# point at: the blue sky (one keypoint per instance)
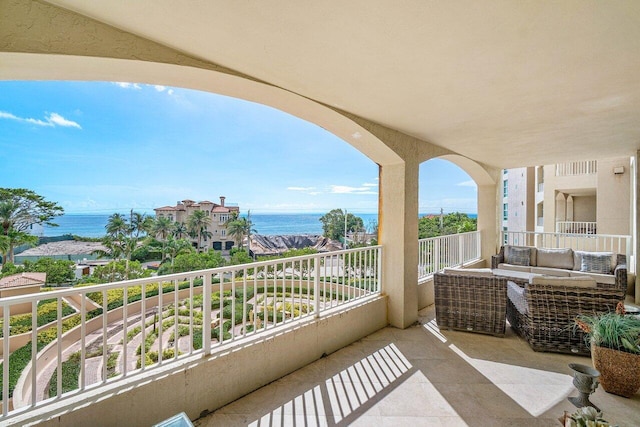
(101, 147)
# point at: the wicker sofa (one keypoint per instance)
(543, 312)
(564, 263)
(471, 300)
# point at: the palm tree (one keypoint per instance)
(239, 228)
(176, 247)
(117, 226)
(179, 230)
(138, 221)
(198, 222)
(161, 229)
(16, 238)
(4, 249)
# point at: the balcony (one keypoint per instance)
(259, 322)
(423, 376)
(576, 227)
(587, 167)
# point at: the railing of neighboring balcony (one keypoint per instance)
(619, 244)
(587, 167)
(57, 343)
(453, 250)
(576, 227)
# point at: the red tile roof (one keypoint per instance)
(23, 279)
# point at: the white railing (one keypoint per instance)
(453, 250)
(586, 167)
(576, 227)
(162, 325)
(619, 244)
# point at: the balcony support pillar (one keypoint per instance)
(398, 232)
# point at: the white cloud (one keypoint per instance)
(301, 188)
(345, 189)
(370, 184)
(170, 92)
(160, 88)
(52, 120)
(61, 121)
(470, 183)
(126, 85)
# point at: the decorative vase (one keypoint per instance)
(585, 379)
(619, 371)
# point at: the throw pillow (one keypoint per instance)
(592, 263)
(555, 258)
(519, 256)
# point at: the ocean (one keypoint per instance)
(92, 225)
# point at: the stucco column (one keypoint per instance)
(398, 233)
(635, 223)
(489, 202)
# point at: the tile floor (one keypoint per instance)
(422, 377)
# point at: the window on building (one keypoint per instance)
(223, 232)
(505, 188)
(170, 217)
(505, 211)
(224, 217)
(505, 236)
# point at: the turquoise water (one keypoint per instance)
(267, 224)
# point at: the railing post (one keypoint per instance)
(316, 288)
(206, 313)
(461, 249)
(436, 255)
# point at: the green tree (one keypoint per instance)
(238, 228)
(197, 223)
(452, 223)
(20, 209)
(176, 247)
(58, 271)
(15, 238)
(180, 230)
(161, 229)
(333, 224)
(116, 271)
(193, 261)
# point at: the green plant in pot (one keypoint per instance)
(615, 349)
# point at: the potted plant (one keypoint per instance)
(615, 349)
(584, 417)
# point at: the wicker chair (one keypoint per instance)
(471, 303)
(544, 314)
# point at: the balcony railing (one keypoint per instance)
(436, 253)
(619, 244)
(587, 167)
(106, 333)
(576, 227)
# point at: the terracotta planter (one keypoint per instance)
(619, 371)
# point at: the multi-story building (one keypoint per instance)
(585, 197)
(218, 214)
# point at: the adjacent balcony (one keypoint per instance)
(587, 167)
(576, 227)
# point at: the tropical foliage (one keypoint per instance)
(439, 225)
(333, 224)
(19, 210)
(58, 271)
(197, 223)
(612, 330)
(239, 228)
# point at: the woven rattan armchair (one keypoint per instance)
(544, 314)
(471, 303)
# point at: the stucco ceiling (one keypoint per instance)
(508, 83)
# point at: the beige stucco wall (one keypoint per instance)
(614, 197)
(206, 383)
(584, 209)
